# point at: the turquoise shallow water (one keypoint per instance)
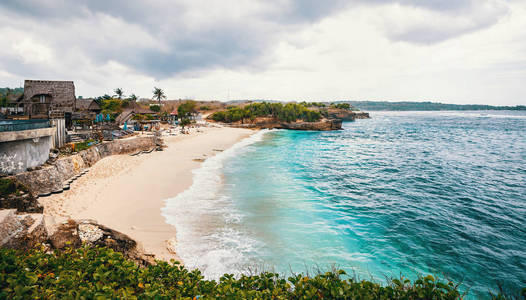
(404, 192)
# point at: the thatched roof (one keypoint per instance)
(87, 104)
(62, 92)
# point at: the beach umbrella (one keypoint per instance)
(125, 125)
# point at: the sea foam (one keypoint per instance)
(207, 235)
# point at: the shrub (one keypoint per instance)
(289, 112)
(7, 187)
(100, 273)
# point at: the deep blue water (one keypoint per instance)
(439, 193)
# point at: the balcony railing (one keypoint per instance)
(16, 125)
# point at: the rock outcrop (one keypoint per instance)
(51, 178)
(346, 115)
(323, 125)
(25, 231)
(15, 195)
(270, 123)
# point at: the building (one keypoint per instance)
(88, 105)
(42, 99)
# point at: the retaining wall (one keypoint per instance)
(51, 178)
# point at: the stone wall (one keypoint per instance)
(50, 179)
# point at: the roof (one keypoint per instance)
(62, 92)
(174, 112)
(87, 104)
(140, 110)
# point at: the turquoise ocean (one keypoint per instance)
(409, 193)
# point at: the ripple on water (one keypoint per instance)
(434, 192)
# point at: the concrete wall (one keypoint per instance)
(59, 138)
(18, 155)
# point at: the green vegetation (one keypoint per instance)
(313, 104)
(7, 187)
(289, 112)
(342, 105)
(185, 112)
(6, 92)
(155, 108)
(83, 145)
(425, 106)
(119, 93)
(158, 94)
(100, 273)
(112, 106)
(10, 186)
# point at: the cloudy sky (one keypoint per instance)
(453, 51)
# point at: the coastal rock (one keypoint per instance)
(25, 231)
(21, 231)
(89, 233)
(346, 115)
(16, 195)
(65, 235)
(270, 123)
(323, 125)
(171, 245)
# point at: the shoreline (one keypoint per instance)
(127, 193)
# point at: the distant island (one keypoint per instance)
(424, 106)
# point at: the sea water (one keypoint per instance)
(409, 193)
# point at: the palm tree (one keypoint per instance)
(158, 94)
(119, 93)
(133, 97)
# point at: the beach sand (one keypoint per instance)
(126, 193)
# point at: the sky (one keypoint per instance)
(450, 51)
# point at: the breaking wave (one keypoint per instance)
(208, 235)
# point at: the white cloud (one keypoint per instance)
(465, 52)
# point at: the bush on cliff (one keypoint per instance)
(289, 112)
(100, 273)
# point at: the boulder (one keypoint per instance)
(18, 196)
(25, 231)
(21, 231)
(65, 235)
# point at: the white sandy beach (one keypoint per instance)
(126, 193)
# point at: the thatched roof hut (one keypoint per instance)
(44, 96)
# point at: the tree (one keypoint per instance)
(119, 93)
(133, 97)
(158, 94)
(155, 108)
(184, 122)
(187, 109)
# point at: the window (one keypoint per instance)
(42, 98)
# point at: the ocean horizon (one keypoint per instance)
(408, 193)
